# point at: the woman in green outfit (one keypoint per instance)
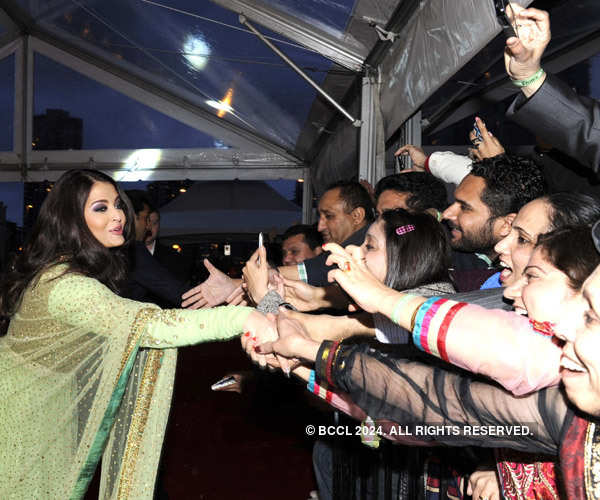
(84, 373)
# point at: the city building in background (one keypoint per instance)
(56, 130)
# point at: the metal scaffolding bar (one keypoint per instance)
(335, 49)
(245, 22)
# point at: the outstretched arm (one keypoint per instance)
(83, 302)
(410, 393)
(494, 343)
(212, 292)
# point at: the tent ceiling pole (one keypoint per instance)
(245, 22)
(367, 166)
(299, 31)
(116, 171)
(148, 94)
(307, 194)
(571, 53)
(144, 81)
(410, 133)
(10, 47)
(23, 117)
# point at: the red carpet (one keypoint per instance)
(222, 445)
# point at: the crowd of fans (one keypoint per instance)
(472, 322)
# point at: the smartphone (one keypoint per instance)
(260, 245)
(478, 135)
(508, 28)
(224, 382)
(400, 164)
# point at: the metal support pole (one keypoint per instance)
(411, 134)
(367, 167)
(245, 22)
(413, 129)
(307, 202)
(24, 104)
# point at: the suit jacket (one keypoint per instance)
(316, 270)
(173, 262)
(567, 121)
(151, 282)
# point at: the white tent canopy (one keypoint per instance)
(182, 89)
(221, 207)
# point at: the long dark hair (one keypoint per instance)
(60, 234)
(571, 250)
(572, 209)
(418, 257)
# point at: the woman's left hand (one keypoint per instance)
(256, 275)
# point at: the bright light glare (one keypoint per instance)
(196, 51)
(138, 167)
(220, 105)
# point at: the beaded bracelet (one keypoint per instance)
(321, 361)
(401, 302)
(332, 355)
(528, 81)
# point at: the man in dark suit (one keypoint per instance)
(148, 280)
(168, 257)
(547, 106)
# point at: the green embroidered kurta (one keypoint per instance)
(86, 374)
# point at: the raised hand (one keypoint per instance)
(211, 292)
(354, 277)
(488, 146)
(302, 296)
(276, 282)
(238, 297)
(256, 275)
(523, 54)
(417, 155)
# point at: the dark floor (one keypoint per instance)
(222, 445)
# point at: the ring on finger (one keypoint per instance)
(347, 266)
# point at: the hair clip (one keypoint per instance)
(404, 229)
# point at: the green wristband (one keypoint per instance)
(528, 81)
(401, 302)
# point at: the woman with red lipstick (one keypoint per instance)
(84, 373)
(555, 265)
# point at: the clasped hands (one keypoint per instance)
(285, 343)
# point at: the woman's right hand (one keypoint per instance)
(294, 341)
(256, 275)
(354, 277)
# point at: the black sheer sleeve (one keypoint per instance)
(457, 409)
